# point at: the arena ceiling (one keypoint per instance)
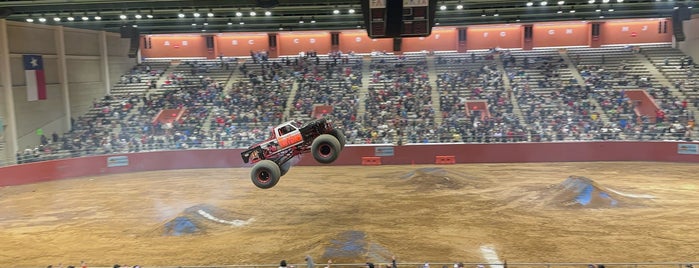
(168, 16)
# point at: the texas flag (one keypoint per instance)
(34, 74)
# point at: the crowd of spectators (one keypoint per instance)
(399, 100)
(554, 105)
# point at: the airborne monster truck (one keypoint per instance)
(271, 157)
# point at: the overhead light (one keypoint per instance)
(268, 13)
(559, 11)
(70, 18)
(443, 7)
(253, 13)
(530, 4)
(459, 7)
(483, 13)
(518, 19)
(238, 14)
(42, 19)
(301, 20)
(591, 1)
(543, 3)
(560, 3)
(351, 11)
(605, 1)
(601, 16)
(241, 23)
(196, 14)
(57, 19)
(436, 23)
(206, 23)
(194, 24)
(610, 9)
(203, 30)
(229, 22)
(572, 10)
(496, 13)
(619, 1)
(210, 14)
(135, 25)
(138, 16)
(98, 17)
(313, 20)
(150, 16)
(181, 14)
(336, 11)
(85, 18)
(30, 20)
(122, 16)
(676, 7)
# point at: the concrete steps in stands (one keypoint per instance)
(581, 81)
(290, 103)
(364, 90)
(166, 73)
(436, 104)
(508, 87)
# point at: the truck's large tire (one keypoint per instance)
(326, 148)
(284, 168)
(340, 137)
(265, 174)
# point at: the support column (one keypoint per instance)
(8, 103)
(104, 62)
(63, 73)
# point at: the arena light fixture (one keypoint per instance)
(442, 7)
(253, 13)
(29, 19)
(98, 17)
(459, 7)
(181, 14)
(560, 3)
(57, 19)
(122, 16)
(351, 11)
(530, 4)
(239, 14)
(336, 11)
(605, 1)
(70, 17)
(591, 1)
(496, 14)
(544, 3)
(210, 13)
(196, 14)
(619, 1)
(85, 18)
(301, 21)
(268, 13)
(313, 20)
(138, 16)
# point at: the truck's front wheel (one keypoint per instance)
(265, 174)
(326, 148)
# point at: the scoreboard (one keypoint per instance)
(398, 18)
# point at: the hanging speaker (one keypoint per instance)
(397, 41)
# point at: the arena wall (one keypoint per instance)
(691, 32)
(77, 66)
(352, 155)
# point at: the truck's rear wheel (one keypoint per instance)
(265, 174)
(340, 137)
(284, 168)
(326, 148)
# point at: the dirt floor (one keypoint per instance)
(548, 212)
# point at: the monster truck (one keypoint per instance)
(271, 156)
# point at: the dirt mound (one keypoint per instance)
(355, 246)
(201, 219)
(581, 192)
(433, 178)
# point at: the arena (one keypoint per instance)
(550, 142)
